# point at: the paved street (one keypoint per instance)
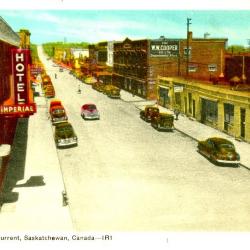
(124, 175)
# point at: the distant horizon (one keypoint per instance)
(93, 26)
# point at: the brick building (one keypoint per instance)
(14, 64)
(138, 63)
(237, 65)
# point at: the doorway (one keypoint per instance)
(242, 122)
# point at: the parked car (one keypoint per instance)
(49, 91)
(163, 121)
(148, 112)
(65, 135)
(113, 91)
(90, 80)
(219, 151)
(54, 102)
(90, 112)
(58, 114)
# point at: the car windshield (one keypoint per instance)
(91, 107)
(58, 111)
(66, 129)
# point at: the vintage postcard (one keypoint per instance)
(124, 125)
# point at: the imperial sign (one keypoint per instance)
(23, 104)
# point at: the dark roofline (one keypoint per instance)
(7, 34)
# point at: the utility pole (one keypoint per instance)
(188, 23)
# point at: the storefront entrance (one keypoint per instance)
(228, 115)
(163, 96)
(242, 122)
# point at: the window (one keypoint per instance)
(229, 113)
(186, 51)
(192, 68)
(212, 67)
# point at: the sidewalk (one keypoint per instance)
(38, 200)
(193, 128)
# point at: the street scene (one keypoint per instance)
(124, 134)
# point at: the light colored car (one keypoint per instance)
(90, 112)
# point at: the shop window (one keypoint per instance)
(212, 67)
(187, 51)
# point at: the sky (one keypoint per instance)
(100, 25)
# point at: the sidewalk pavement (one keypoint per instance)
(193, 128)
(39, 204)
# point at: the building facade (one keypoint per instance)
(237, 65)
(217, 106)
(16, 96)
(138, 63)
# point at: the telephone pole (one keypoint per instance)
(188, 23)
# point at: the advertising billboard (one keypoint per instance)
(164, 47)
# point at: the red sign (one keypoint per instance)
(20, 61)
(21, 109)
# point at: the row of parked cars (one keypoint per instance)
(219, 151)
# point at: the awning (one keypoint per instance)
(163, 87)
(209, 98)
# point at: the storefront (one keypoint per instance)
(217, 106)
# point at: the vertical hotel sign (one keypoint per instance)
(20, 62)
(22, 104)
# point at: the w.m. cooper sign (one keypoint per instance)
(164, 47)
(22, 100)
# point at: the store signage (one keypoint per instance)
(20, 109)
(164, 47)
(22, 104)
(20, 60)
(178, 88)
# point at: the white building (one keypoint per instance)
(77, 53)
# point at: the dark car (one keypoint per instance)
(163, 121)
(65, 135)
(148, 113)
(219, 151)
(90, 112)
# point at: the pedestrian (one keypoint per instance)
(55, 75)
(176, 112)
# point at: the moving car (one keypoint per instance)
(148, 113)
(163, 121)
(60, 69)
(89, 111)
(65, 135)
(219, 150)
